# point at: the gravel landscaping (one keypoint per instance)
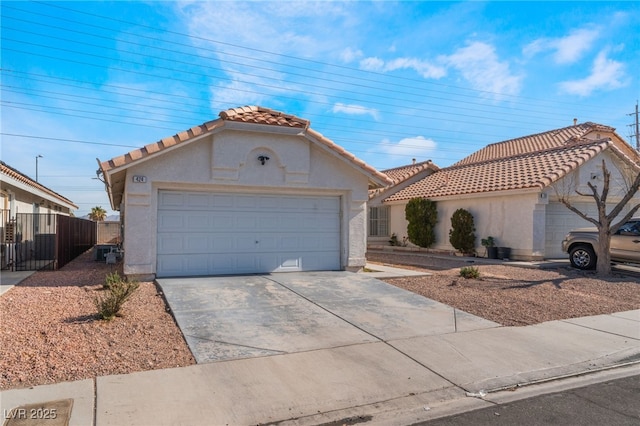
(50, 331)
(515, 296)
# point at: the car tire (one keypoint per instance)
(582, 257)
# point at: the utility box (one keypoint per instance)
(101, 251)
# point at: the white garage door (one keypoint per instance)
(560, 220)
(202, 233)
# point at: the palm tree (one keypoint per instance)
(98, 214)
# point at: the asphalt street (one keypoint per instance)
(611, 403)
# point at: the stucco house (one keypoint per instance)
(20, 195)
(253, 191)
(380, 225)
(512, 188)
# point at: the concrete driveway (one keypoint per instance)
(232, 317)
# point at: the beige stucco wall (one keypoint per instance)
(21, 199)
(508, 218)
(517, 219)
(227, 161)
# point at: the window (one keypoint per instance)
(379, 221)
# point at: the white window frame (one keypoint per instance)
(379, 221)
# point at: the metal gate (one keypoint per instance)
(34, 241)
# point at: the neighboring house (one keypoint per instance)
(21, 194)
(379, 218)
(254, 191)
(28, 210)
(512, 188)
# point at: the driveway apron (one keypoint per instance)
(232, 317)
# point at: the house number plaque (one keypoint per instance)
(140, 179)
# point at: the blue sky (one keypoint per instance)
(389, 81)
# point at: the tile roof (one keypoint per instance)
(556, 138)
(260, 115)
(402, 174)
(528, 162)
(246, 114)
(533, 170)
(7, 170)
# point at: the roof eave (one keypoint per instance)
(377, 179)
(40, 191)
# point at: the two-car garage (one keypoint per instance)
(254, 191)
(204, 233)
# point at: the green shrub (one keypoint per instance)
(111, 279)
(461, 235)
(422, 216)
(117, 293)
(469, 272)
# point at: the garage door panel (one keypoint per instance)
(197, 201)
(206, 233)
(170, 243)
(246, 202)
(171, 221)
(197, 244)
(197, 222)
(168, 199)
(270, 223)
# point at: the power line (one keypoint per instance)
(412, 91)
(66, 140)
(304, 60)
(267, 86)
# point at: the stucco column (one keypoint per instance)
(539, 230)
(139, 235)
(357, 235)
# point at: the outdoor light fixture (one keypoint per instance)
(38, 156)
(263, 159)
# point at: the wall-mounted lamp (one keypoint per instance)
(37, 156)
(263, 159)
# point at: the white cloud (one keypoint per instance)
(479, 64)
(606, 74)
(425, 69)
(567, 49)
(352, 109)
(349, 55)
(416, 147)
(372, 64)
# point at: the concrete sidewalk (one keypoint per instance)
(399, 374)
(8, 279)
(384, 382)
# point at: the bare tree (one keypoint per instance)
(606, 222)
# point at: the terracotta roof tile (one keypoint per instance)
(402, 173)
(261, 115)
(7, 170)
(538, 142)
(535, 169)
(245, 114)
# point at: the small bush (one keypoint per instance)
(469, 272)
(117, 293)
(422, 215)
(111, 279)
(461, 235)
